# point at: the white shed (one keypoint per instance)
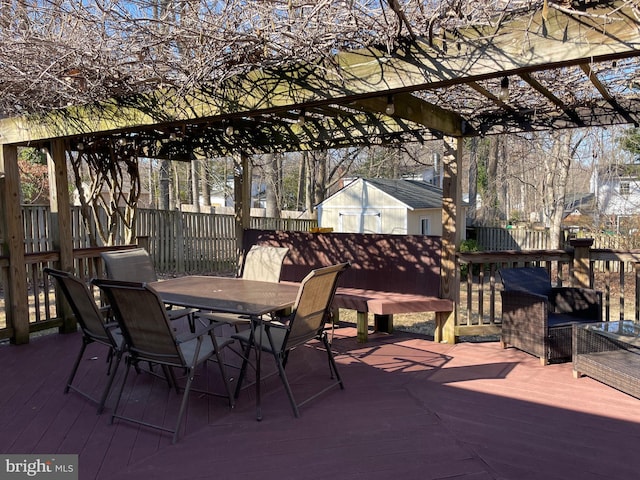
(380, 205)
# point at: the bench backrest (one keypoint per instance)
(391, 263)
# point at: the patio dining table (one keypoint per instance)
(230, 295)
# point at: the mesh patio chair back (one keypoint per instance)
(313, 305)
(135, 265)
(143, 320)
(150, 337)
(94, 329)
(131, 265)
(264, 263)
(306, 322)
(261, 263)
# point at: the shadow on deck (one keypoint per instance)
(411, 409)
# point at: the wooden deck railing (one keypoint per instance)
(614, 272)
(42, 309)
(178, 242)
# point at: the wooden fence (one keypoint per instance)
(480, 308)
(177, 241)
(197, 243)
(524, 239)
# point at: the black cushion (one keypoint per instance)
(527, 279)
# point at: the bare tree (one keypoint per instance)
(112, 187)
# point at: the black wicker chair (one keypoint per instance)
(538, 318)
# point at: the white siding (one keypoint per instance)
(362, 208)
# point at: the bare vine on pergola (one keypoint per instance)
(54, 54)
(113, 189)
(59, 53)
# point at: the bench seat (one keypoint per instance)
(384, 305)
(388, 303)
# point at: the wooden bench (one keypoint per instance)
(389, 274)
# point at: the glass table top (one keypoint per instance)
(623, 330)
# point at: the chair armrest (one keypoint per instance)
(187, 336)
(524, 309)
(579, 302)
(181, 313)
(522, 298)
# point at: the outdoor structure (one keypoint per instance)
(377, 205)
(617, 195)
(554, 67)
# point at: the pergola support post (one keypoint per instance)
(581, 263)
(451, 220)
(17, 299)
(61, 237)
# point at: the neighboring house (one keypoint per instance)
(617, 192)
(378, 205)
(580, 212)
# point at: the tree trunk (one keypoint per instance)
(165, 183)
(473, 179)
(302, 175)
(205, 187)
(557, 167)
(320, 183)
(271, 185)
(308, 183)
(195, 184)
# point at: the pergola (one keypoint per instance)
(554, 68)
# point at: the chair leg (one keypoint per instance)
(76, 365)
(243, 368)
(170, 375)
(183, 404)
(112, 376)
(223, 372)
(124, 381)
(285, 382)
(332, 362)
(281, 359)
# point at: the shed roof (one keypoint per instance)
(415, 194)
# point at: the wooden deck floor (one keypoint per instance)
(412, 409)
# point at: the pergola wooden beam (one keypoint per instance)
(516, 46)
(591, 75)
(552, 98)
(416, 110)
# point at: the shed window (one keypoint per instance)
(424, 226)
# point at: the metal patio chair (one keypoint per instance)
(135, 265)
(147, 330)
(305, 323)
(95, 329)
(262, 263)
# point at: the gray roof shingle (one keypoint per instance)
(413, 193)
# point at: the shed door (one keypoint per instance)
(359, 222)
